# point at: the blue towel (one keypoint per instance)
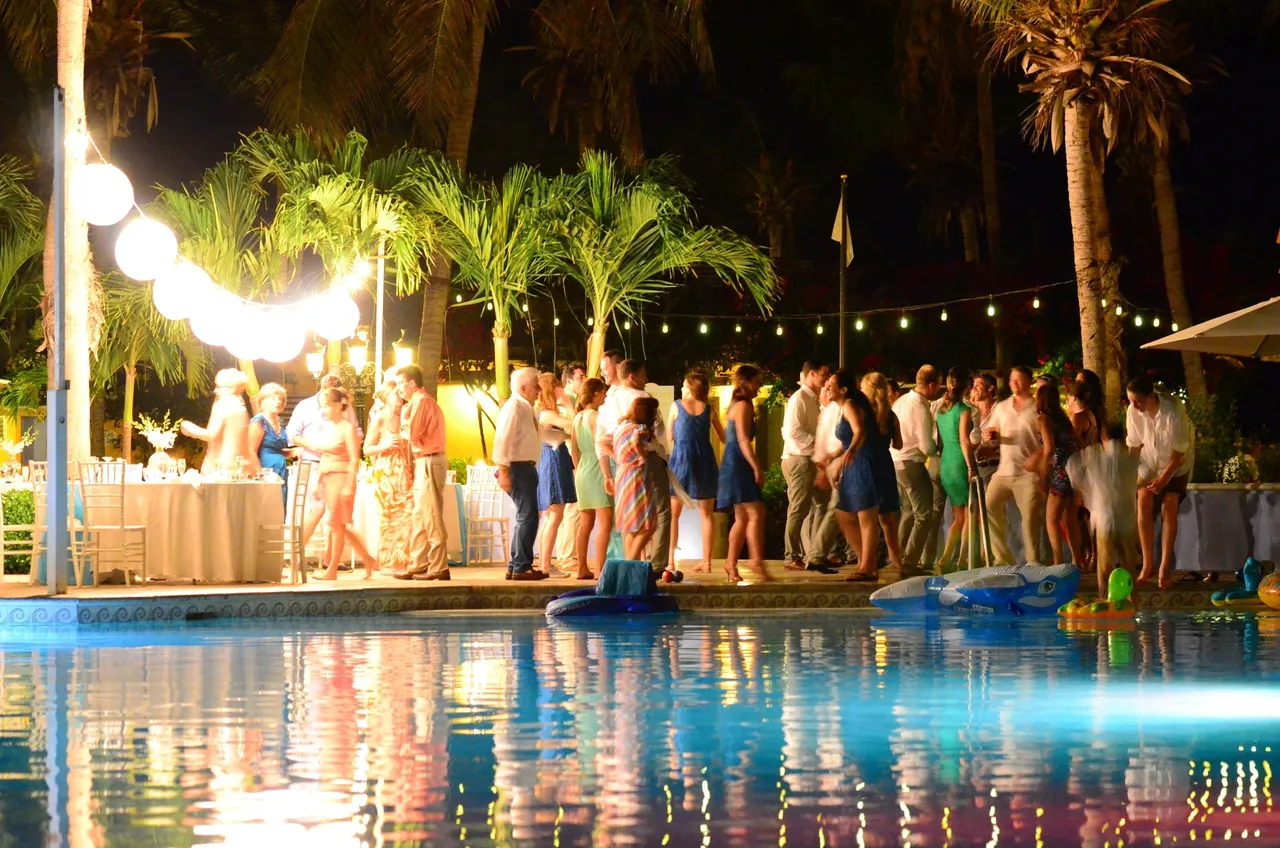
(626, 578)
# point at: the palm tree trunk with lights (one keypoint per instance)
(435, 296)
(1080, 187)
(73, 17)
(1171, 253)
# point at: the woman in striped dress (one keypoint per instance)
(633, 507)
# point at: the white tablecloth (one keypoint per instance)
(206, 533)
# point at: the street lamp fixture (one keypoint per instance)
(315, 362)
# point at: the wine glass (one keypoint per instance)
(241, 465)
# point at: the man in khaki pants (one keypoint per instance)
(799, 429)
(1013, 424)
(422, 426)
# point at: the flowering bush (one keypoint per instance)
(1064, 363)
(1240, 468)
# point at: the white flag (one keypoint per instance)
(848, 236)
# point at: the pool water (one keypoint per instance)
(795, 730)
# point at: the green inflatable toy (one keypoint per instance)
(1117, 604)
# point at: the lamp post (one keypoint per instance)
(57, 504)
(360, 373)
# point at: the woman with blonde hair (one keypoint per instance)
(393, 476)
(267, 438)
(555, 467)
(227, 434)
(738, 487)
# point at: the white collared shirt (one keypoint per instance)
(614, 410)
(1019, 435)
(800, 423)
(515, 437)
(916, 422)
(824, 441)
(307, 418)
(1160, 436)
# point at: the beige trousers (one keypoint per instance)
(567, 538)
(1029, 495)
(428, 539)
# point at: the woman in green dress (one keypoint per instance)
(595, 507)
(955, 420)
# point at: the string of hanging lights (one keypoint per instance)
(147, 251)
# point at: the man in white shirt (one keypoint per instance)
(916, 421)
(1014, 426)
(1161, 435)
(799, 430)
(516, 448)
(822, 529)
(634, 377)
(307, 421)
(571, 380)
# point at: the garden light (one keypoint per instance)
(358, 355)
(1104, 303)
(626, 325)
(857, 325)
(991, 309)
(665, 328)
(1174, 326)
(214, 317)
(335, 315)
(283, 337)
(590, 321)
(1035, 303)
(702, 328)
(818, 329)
(944, 315)
(145, 248)
(779, 329)
(524, 307)
(737, 328)
(555, 322)
(102, 194)
(1119, 309)
(902, 322)
(1137, 320)
(315, 362)
(457, 298)
(1155, 322)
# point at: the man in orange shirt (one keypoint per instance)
(422, 426)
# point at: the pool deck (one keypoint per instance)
(479, 588)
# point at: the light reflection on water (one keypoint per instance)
(831, 730)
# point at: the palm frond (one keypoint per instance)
(21, 238)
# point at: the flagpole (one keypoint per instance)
(844, 251)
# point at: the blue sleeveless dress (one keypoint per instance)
(869, 481)
(271, 453)
(737, 483)
(693, 461)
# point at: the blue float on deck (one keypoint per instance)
(1011, 590)
(625, 587)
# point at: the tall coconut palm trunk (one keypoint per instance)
(595, 347)
(435, 296)
(1080, 188)
(990, 184)
(130, 381)
(501, 362)
(1171, 253)
(1109, 288)
(969, 233)
(73, 18)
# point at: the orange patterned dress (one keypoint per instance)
(393, 473)
(632, 505)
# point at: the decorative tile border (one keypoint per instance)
(286, 603)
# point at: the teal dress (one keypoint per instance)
(953, 471)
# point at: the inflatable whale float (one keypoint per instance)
(1030, 589)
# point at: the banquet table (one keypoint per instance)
(207, 532)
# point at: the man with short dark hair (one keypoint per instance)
(422, 428)
(1014, 426)
(916, 422)
(799, 431)
(1161, 435)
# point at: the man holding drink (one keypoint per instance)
(1014, 427)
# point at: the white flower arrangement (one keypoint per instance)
(14, 447)
(1240, 468)
(160, 434)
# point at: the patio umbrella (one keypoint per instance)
(1250, 332)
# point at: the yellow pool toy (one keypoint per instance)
(1269, 591)
(1116, 606)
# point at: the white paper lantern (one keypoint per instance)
(335, 316)
(180, 289)
(284, 335)
(145, 248)
(102, 194)
(215, 317)
(244, 339)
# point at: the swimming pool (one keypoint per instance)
(794, 730)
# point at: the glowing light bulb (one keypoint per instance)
(665, 328)
(457, 298)
(857, 325)
(1155, 322)
(1035, 303)
(1137, 320)
(1119, 309)
(524, 307)
(737, 328)
(944, 315)
(819, 329)
(779, 330)
(1174, 326)
(626, 325)
(591, 320)
(555, 322)
(991, 309)
(702, 328)
(902, 322)
(1104, 303)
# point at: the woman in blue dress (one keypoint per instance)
(693, 461)
(739, 484)
(267, 438)
(867, 494)
(555, 467)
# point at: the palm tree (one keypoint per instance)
(776, 193)
(136, 335)
(497, 235)
(593, 53)
(21, 238)
(1088, 62)
(622, 237)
